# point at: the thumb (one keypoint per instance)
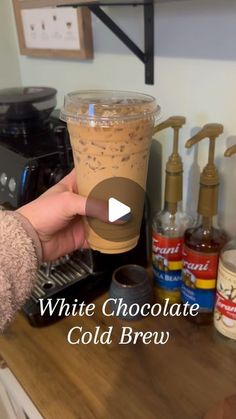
(74, 204)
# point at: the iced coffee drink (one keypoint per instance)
(110, 134)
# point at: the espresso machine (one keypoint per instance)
(35, 154)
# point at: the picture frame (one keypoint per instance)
(45, 30)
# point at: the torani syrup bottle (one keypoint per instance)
(202, 244)
(225, 306)
(169, 224)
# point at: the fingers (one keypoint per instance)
(74, 204)
(96, 208)
(69, 182)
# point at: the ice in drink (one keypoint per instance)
(110, 134)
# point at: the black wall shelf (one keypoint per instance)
(146, 56)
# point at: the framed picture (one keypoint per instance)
(45, 30)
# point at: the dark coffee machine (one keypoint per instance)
(35, 154)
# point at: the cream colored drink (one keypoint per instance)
(110, 134)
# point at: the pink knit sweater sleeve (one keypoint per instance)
(20, 255)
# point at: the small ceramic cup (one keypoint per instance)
(130, 285)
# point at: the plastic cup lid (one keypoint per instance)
(107, 105)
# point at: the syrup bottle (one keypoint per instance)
(203, 243)
(169, 224)
(225, 306)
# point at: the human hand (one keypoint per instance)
(56, 217)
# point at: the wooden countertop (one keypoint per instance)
(179, 380)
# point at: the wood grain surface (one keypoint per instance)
(179, 380)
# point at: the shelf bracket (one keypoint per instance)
(147, 57)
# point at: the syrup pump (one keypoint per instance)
(230, 151)
(202, 244)
(170, 223)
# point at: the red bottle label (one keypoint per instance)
(199, 278)
(167, 261)
(202, 266)
(225, 306)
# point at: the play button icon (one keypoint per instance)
(119, 203)
(117, 210)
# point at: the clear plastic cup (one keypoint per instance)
(110, 134)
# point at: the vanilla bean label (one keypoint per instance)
(225, 307)
(167, 261)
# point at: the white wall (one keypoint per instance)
(195, 75)
(9, 62)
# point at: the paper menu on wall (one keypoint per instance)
(51, 28)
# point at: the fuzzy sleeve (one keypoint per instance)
(20, 255)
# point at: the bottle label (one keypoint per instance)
(199, 278)
(167, 261)
(225, 307)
